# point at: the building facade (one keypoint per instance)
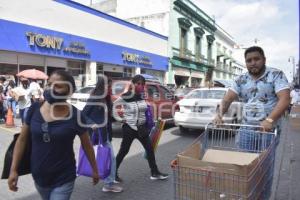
(66, 35)
(227, 67)
(195, 40)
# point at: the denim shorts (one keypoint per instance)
(62, 192)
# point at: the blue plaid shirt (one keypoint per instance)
(259, 96)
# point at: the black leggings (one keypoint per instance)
(128, 136)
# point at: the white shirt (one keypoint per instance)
(295, 95)
(34, 89)
(26, 102)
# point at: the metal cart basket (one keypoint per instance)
(197, 179)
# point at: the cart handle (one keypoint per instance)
(243, 125)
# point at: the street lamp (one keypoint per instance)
(292, 60)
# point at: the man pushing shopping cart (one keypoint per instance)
(265, 93)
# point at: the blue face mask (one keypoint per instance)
(54, 99)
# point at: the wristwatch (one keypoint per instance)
(270, 120)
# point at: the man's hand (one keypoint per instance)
(267, 126)
(218, 119)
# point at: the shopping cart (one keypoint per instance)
(196, 179)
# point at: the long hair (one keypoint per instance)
(101, 87)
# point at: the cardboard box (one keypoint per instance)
(18, 93)
(218, 174)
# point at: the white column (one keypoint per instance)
(138, 70)
(91, 73)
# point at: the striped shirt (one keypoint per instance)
(133, 112)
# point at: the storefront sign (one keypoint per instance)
(136, 59)
(55, 43)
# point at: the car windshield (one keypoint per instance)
(206, 94)
(182, 91)
(85, 90)
(118, 87)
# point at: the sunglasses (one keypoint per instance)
(46, 135)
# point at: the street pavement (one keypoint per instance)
(135, 171)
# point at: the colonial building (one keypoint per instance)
(195, 40)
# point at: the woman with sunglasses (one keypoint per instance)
(52, 127)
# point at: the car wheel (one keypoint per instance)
(183, 130)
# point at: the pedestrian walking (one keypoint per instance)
(295, 96)
(24, 98)
(98, 113)
(266, 96)
(135, 125)
(11, 102)
(52, 126)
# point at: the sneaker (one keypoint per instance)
(112, 188)
(158, 176)
(118, 179)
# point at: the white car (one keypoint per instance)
(80, 97)
(199, 108)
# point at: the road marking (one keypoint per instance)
(10, 130)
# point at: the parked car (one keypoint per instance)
(157, 95)
(180, 93)
(199, 108)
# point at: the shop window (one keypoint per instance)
(128, 72)
(24, 67)
(99, 68)
(77, 70)
(8, 69)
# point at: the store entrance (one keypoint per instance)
(181, 80)
(52, 69)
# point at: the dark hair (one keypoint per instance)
(2, 78)
(101, 85)
(66, 76)
(138, 78)
(254, 49)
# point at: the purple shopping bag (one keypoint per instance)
(103, 159)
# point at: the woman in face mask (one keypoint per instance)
(52, 127)
(136, 125)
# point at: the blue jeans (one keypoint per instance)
(12, 103)
(110, 179)
(62, 192)
(23, 114)
(249, 140)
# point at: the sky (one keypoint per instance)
(274, 24)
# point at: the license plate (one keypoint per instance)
(198, 109)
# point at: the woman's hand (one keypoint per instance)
(95, 177)
(13, 181)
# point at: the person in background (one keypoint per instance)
(24, 102)
(34, 90)
(2, 81)
(98, 116)
(52, 126)
(266, 95)
(9, 96)
(2, 109)
(135, 125)
(295, 97)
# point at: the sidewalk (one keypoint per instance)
(287, 166)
